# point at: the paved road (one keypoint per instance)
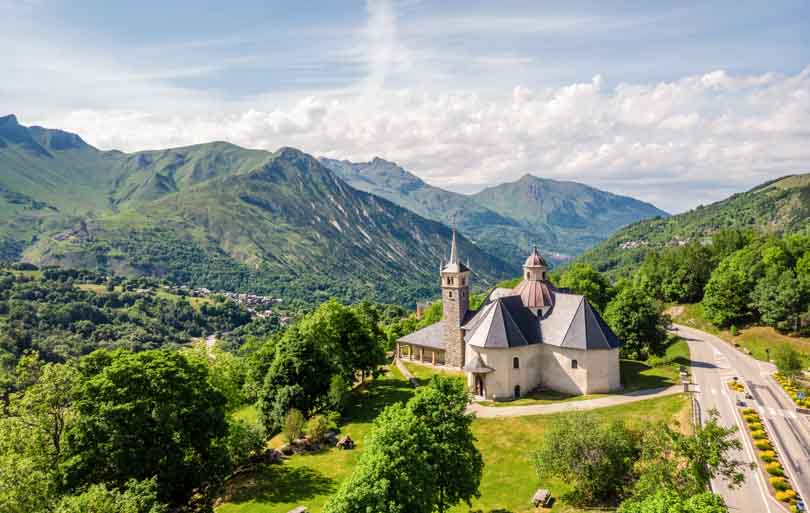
(714, 363)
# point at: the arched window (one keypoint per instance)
(574, 364)
(517, 391)
(450, 294)
(515, 362)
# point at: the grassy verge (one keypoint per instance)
(423, 373)
(756, 339)
(542, 397)
(506, 444)
(656, 372)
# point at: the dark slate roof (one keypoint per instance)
(430, 336)
(504, 322)
(476, 365)
(573, 323)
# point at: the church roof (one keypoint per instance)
(477, 365)
(534, 260)
(535, 293)
(454, 265)
(430, 336)
(503, 323)
(573, 323)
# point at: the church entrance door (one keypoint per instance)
(479, 386)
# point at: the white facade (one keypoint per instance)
(544, 366)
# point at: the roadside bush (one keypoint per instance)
(749, 411)
(774, 468)
(317, 427)
(752, 417)
(755, 426)
(763, 445)
(779, 483)
(293, 425)
(767, 456)
(786, 495)
(759, 435)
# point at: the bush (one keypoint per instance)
(749, 411)
(759, 435)
(774, 468)
(779, 483)
(293, 425)
(755, 426)
(786, 495)
(763, 445)
(317, 427)
(752, 417)
(767, 456)
(244, 440)
(733, 330)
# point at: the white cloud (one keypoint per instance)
(677, 143)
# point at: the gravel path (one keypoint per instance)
(588, 404)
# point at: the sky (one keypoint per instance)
(677, 103)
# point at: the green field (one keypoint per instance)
(506, 444)
(423, 373)
(755, 339)
(656, 372)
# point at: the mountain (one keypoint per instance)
(565, 218)
(219, 216)
(778, 206)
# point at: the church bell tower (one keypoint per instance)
(455, 304)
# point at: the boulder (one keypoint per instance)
(345, 443)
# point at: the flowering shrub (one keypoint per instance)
(779, 483)
(767, 456)
(759, 435)
(774, 469)
(786, 495)
(763, 444)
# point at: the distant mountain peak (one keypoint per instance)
(10, 119)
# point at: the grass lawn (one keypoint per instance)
(656, 372)
(756, 339)
(506, 444)
(542, 397)
(423, 373)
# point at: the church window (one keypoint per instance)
(517, 391)
(527, 275)
(574, 364)
(450, 294)
(515, 362)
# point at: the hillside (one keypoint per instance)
(778, 206)
(218, 216)
(565, 218)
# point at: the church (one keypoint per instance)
(534, 336)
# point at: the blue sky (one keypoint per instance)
(677, 103)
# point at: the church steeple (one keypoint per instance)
(455, 278)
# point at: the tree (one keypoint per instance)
(148, 414)
(393, 474)
(419, 458)
(788, 361)
(457, 464)
(584, 279)
(594, 457)
(778, 298)
(136, 497)
(667, 501)
(293, 425)
(351, 336)
(685, 464)
(299, 377)
(637, 319)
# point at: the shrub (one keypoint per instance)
(752, 418)
(759, 435)
(317, 427)
(779, 483)
(767, 456)
(755, 426)
(749, 411)
(786, 495)
(733, 330)
(293, 425)
(763, 445)
(774, 468)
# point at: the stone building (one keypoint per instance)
(532, 336)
